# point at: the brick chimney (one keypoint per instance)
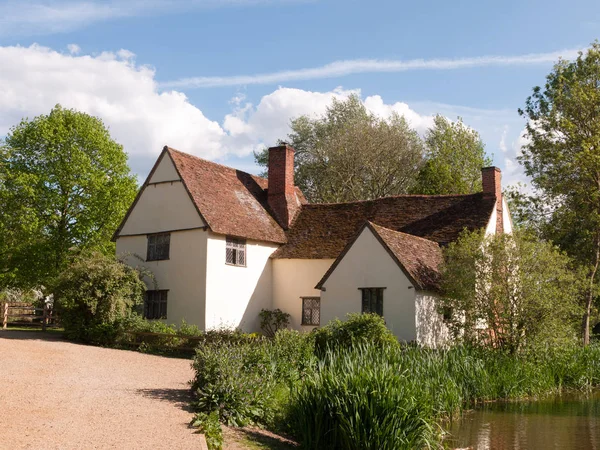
(491, 178)
(281, 191)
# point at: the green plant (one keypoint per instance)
(208, 424)
(273, 320)
(94, 294)
(357, 328)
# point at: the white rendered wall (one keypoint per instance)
(165, 171)
(235, 295)
(431, 328)
(368, 264)
(183, 274)
(293, 279)
(162, 207)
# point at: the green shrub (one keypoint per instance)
(248, 380)
(271, 321)
(356, 329)
(94, 294)
(208, 424)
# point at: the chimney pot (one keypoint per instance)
(281, 190)
(491, 178)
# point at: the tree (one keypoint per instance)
(509, 290)
(349, 154)
(563, 160)
(455, 155)
(64, 185)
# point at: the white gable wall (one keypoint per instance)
(183, 274)
(165, 171)
(293, 279)
(235, 295)
(368, 264)
(162, 207)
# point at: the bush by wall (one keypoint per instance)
(94, 294)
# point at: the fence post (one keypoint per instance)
(45, 317)
(5, 316)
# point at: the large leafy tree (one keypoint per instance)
(510, 291)
(563, 160)
(349, 154)
(64, 187)
(455, 155)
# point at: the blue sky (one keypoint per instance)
(221, 78)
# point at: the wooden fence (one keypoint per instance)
(28, 315)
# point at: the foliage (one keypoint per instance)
(356, 329)
(509, 290)
(209, 425)
(273, 320)
(370, 397)
(563, 160)
(243, 380)
(64, 186)
(94, 294)
(455, 155)
(349, 154)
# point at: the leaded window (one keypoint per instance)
(155, 304)
(235, 251)
(158, 246)
(311, 310)
(372, 300)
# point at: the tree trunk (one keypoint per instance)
(585, 325)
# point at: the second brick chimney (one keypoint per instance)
(491, 178)
(282, 197)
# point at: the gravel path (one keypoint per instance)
(60, 395)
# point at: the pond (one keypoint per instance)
(567, 422)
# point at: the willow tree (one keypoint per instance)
(562, 158)
(350, 154)
(455, 155)
(64, 186)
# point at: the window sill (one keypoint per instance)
(156, 260)
(235, 265)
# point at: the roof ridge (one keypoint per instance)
(399, 196)
(373, 224)
(171, 149)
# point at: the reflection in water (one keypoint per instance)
(565, 422)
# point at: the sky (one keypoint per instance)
(222, 78)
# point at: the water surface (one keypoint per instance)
(566, 422)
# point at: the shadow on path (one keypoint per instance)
(181, 398)
(37, 335)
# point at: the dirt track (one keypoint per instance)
(60, 395)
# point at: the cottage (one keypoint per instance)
(224, 244)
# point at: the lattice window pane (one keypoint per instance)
(158, 246)
(235, 251)
(311, 311)
(155, 304)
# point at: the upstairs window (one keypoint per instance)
(235, 251)
(372, 300)
(311, 310)
(158, 246)
(155, 304)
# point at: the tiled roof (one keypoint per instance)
(230, 201)
(323, 230)
(420, 259)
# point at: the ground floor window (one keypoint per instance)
(155, 304)
(311, 310)
(372, 300)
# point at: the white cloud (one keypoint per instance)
(348, 67)
(126, 97)
(110, 86)
(26, 17)
(502, 144)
